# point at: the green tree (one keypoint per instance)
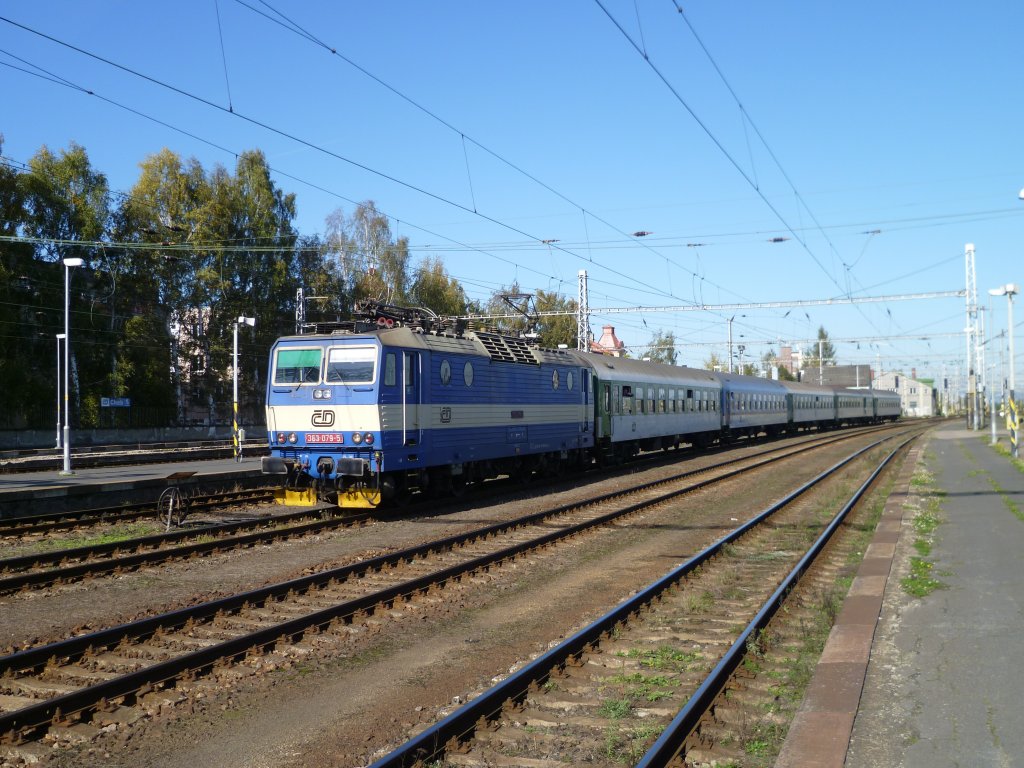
(67, 208)
(770, 360)
(820, 353)
(510, 300)
(374, 262)
(245, 240)
(662, 348)
(65, 200)
(160, 215)
(434, 289)
(221, 246)
(320, 272)
(715, 363)
(22, 306)
(556, 329)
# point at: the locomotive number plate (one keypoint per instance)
(325, 437)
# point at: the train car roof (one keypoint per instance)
(807, 388)
(507, 349)
(629, 370)
(740, 383)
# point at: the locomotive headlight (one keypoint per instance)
(316, 394)
(357, 438)
(369, 438)
(293, 438)
(281, 438)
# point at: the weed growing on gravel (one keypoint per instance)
(628, 747)
(615, 709)
(920, 582)
(765, 742)
(701, 603)
(927, 518)
(639, 686)
(921, 478)
(664, 658)
(114, 535)
(613, 741)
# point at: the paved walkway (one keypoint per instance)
(944, 684)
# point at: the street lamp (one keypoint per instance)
(68, 264)
(730, 339)
(1009, 290)
(60, 336)
(250, 321)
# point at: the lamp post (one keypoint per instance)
(236, 439)
(68, 264)
(60, 336)
(730, 342)
(1009, 290)
(730, 338)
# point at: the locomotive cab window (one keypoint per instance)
(351, 365)
(297, 366)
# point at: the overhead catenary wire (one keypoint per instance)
(311, 145)
(289, 24)
(718, 143)
(520, 264)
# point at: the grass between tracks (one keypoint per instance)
(111, 536)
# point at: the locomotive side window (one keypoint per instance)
(410, 372)
(297, 366)
(351, 365)
(390, 369)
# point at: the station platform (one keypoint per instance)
(50, 491)
(930, 681)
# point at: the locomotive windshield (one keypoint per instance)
(351, 365)
(297, 366)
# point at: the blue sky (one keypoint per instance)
(878, 138)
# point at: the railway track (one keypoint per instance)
(120, 673)
(65, 565)
(643, 684)
(36, 526)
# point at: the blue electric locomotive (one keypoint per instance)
(375, 415)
